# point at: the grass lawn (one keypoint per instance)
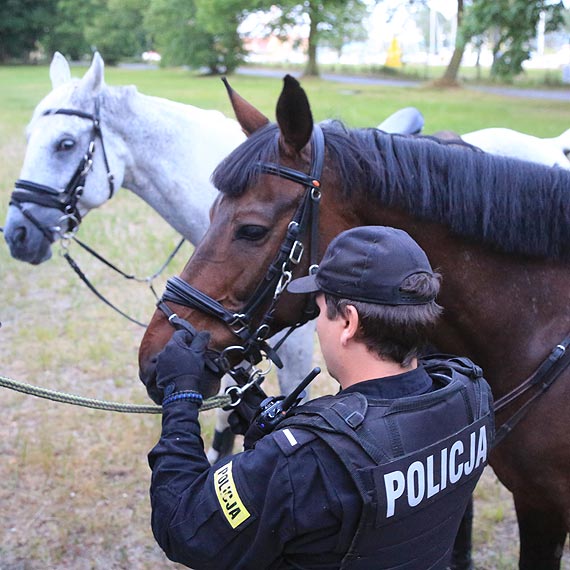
(73, 482)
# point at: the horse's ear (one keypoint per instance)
(59, 71)
(294, 114)
(249, 118)
(93, 80)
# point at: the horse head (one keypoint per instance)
(261, 234)
(68, 169)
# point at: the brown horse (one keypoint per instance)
(497, 229)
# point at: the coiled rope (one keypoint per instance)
(65, 398)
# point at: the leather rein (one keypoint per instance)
(64, 200)
(542, 378)
(303, 226)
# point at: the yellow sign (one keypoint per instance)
(230, 502)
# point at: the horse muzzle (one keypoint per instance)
(147, 375)
(26, 242)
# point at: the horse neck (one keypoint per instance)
(506, 312)
(169, 151)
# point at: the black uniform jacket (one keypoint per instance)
(287, 503)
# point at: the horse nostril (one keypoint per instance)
(20, 235)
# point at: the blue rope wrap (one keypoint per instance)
(184, 395)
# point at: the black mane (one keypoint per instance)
(516, 206)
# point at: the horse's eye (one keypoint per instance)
(65, 144)
(251, 232)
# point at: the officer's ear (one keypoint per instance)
(351, 322)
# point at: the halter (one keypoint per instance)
(65, 200)
(279, 274)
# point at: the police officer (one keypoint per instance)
(374, 477)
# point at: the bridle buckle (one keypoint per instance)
(296, 252)
(238, 324)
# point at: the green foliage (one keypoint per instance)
(22, 23)
(222, 24)
(332, 22)
(511, 26)
(68, 33)
(114, 27)
(184, 37)
(344, 15)
(117, 31)
(341, 23)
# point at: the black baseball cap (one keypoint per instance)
(368, 264)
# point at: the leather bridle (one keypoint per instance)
(66, 201)
(29, 192)
(303, 226)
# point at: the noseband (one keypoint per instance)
(29, 192)
(305, 224)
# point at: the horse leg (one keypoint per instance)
(461, 556)
(223, 440)
(542, 537)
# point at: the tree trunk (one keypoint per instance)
(496, 52)
(450, 75)
(478, 62)
(449, 78)
(312, 69)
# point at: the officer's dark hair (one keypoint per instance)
(395, 332)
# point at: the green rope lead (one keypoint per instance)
(65, 398)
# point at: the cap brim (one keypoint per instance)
(306, 284)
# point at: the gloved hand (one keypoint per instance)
(242, 416)
(243, 420)
(253, 433)
(182, 366)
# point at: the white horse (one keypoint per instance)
(506, 142)
(161, 150)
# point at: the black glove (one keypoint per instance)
(182, 367)
(252, 435)
(243, 420)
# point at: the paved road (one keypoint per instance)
(560, 95)
(555, 94)
(262, 72)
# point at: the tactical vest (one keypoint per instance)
(414, 460)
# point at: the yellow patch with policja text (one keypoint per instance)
(230, 502)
